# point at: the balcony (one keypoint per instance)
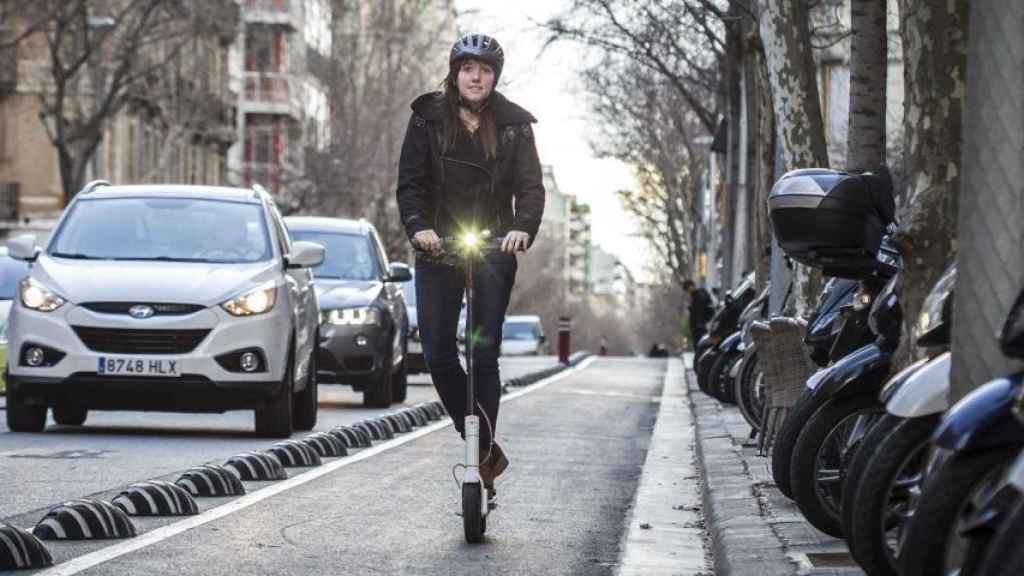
(272, 93)
(281, 12)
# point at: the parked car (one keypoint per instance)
(11, 273)
(414, 362)
(364, 326)
(171, 298)
(522, 335)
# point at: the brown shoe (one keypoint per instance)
(492, 466)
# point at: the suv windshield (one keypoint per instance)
(348, 256)
(519, 331)
(166, 229)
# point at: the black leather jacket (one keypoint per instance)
(512, 187)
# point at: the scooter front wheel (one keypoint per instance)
(474, 523)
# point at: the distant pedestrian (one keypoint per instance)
(701, 310)
(603, 351)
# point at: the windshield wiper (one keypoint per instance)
(73, 255)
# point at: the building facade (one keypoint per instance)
(282, 104)
(579, 248)
(174, 127)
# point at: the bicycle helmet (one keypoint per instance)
(477, 47)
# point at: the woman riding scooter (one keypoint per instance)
(469, 165)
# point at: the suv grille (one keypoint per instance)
(131, 341)
(160, 309)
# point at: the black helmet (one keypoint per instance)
(478, 47)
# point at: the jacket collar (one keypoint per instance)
(430, 107)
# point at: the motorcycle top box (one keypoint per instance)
(833, 220)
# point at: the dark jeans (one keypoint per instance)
(439, 290)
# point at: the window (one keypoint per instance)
(264, 49)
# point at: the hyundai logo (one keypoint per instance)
(141, 311)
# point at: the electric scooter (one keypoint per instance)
(467, 250)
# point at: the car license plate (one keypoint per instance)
(137, 367)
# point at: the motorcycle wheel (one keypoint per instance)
(785, 440)
(883, 503)
(855, 473)
(719, 379)
(1005, 555)
(750, 389)
(931, 544)
(823, 451)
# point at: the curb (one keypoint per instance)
(742, 540)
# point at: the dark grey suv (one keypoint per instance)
(364, 326)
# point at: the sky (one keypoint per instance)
(547, 83)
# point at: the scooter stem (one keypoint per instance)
(472, 421)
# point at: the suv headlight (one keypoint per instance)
(258, 301)
(352, 316)
(35, 296)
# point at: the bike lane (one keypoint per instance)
(577, 449)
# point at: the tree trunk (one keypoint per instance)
(989, 234)
(762, 160)
(733, 100)
(785, 35)
(934, 34)
(865, 138)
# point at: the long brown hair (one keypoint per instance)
(454, 126)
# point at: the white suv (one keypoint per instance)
(176, 298)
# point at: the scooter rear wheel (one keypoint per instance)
(474, 523)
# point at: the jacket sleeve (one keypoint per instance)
(529, 194)
(415, 199)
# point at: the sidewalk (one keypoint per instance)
(754, 529)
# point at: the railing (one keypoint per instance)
(273, 88)
(268, 5)
(274, 11)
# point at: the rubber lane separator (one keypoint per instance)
(86, 561)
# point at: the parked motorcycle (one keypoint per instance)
(837, 221)
(847, 394)
(723, 324)
(823, 329)
(1003, 555)
(730, 352)
(885, 473)
(974, 447)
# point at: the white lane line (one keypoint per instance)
(663, 536)
(86, 561)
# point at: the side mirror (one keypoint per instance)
(23, 247)
(305, 255)
(542, 339)
(399, 272)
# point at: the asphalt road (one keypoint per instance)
(577, 448)
(115, 449)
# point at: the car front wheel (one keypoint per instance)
(274, 419)
(69, 415)
(400, 383)
(306, 401)
(22, 417)
(379, 394)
